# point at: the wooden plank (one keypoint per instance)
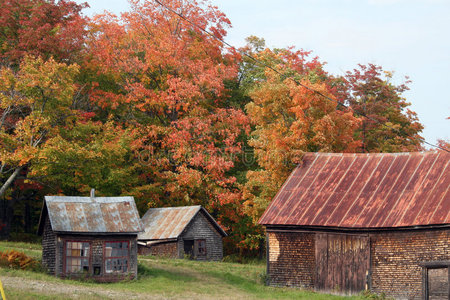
(342, 262)
(321, 245)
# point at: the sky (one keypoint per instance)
(409, 37)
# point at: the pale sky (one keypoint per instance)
(410, 37)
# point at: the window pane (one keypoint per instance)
(77, 256)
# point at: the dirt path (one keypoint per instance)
(68, 290)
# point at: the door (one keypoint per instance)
(189, 248)
(342, 262)
(437, 284)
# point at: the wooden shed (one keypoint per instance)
(92, 237)
(178, 232)
(349, 222)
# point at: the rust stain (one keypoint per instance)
(169, 222)
(96, 215)
(379, 190)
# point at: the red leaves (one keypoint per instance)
(41, 28)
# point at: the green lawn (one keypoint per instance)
(157, 278)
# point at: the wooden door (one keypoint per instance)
(438, 287)
(342, 262)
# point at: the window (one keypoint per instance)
(77, 256)
(116, 257)
(201, 247)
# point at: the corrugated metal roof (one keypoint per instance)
(379, 190)
(93, 215)
(169, 222)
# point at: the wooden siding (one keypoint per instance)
(342, 262)
(396, 259)
(200, 228)
(291, 259)
(48, 248)
(97, 252)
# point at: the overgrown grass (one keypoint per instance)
(169, 278)
(31, 249)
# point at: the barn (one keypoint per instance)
(348, 222)
(178, 232)
(93, 237)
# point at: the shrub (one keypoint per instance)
(17, 260)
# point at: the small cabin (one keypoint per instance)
(345, 223)
(179, 232)
(90, 237)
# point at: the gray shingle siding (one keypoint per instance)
(201, 228)
(48, 247)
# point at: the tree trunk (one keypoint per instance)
(10, 180)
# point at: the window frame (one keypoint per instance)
(197, 247)
(65, 256)
(105, 258)
(426, 266)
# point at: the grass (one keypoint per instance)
(160, 278)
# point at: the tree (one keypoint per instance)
(40, 28)
(391, 126)
(290, 119)
(86, 154)
(165, 79)
(33, 101)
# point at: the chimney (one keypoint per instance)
(92, 194)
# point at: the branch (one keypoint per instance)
(10, 180)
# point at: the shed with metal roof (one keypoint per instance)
(178, 232)
(90, 236)
(350, 222)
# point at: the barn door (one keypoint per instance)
(342, 262)
(437, 283)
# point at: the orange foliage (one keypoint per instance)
(17, 260)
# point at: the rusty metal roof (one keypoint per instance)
(381, 190)
(169, 222)
(92, 215)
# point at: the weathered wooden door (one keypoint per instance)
(437, 285)
(342, 262)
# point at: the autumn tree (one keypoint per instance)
(33, 101)
(290, 117)
(390, 125)
(86, 154)
(164, 78)
(40, 28)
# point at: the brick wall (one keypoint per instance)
(97, 243)
(201, 228)
(48, 247)
(395, 259)
(165, 249)
(291, 259)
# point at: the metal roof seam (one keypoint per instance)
(337, 185)
(351, 185)
(393, 185)
(447, 219)
(430, 192)
(406, 190)
(386, 196)
(443, 196)
(84, 216)
(409, 202)
(298, 202)
(375, 192)
(362, 189)
(282, 188)
(318, 193)
(186, 219)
